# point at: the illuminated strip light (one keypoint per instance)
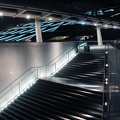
(46, 22)
(83, 44)
(15, 38)
(2, 37)
(43, 28)
(30, 30)
(5, 33)
(115, 15)
(47, 25)
(28, 37)
(26, 27)
(23, 91)
(109, 10)
(64, 64)
(6, 38)
(50, 30)
(57, 24)
(33, 31)
(21, 31)
(27, 31)
(29, 24)
(68, 23)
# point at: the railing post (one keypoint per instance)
(68, 56)
(55, 67)
(19, 88)
(37, 73)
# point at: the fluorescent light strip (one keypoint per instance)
(115, 15)
(23, 91)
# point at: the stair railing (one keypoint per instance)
(29, 77)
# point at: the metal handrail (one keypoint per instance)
(18, 83)
(60, 55)
(36, 68)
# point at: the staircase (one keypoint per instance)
(86, 68)
(47, 100)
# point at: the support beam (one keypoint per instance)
(45, 15)
(99, 36)
(38, 31)
(19, 13)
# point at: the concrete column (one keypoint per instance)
(99, 36)
(38, 31)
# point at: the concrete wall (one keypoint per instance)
(16, 58)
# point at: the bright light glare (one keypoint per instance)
(106, 26)
(83, 23)
(12, 100)
(63, 65)
(106, 52)
(105, 103)
(106, 79)
(28, 16)
(95, 24)
(1, 14)
(106, 65)
(106, 83)
(114, 27)
(50, 18)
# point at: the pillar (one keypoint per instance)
(99, 36)
(38, 31)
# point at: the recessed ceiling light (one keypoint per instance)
(1, 14)
(50, 18)
(106, 26)
(95, 24)
(83, 23)
(28, 16)
(114, 27)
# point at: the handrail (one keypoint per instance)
(36, 67)
(19, 82)
(16, 79)
(60, 55)
(59, 58)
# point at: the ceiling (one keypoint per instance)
(94, 10)
(91, 12)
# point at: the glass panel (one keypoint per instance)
(6, 90)
(50, 69)
(72, 53)
(9, 96)
(28, 80)
(62, 61)
(20, 78)
(42, 72)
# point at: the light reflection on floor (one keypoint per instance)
(92, 87)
